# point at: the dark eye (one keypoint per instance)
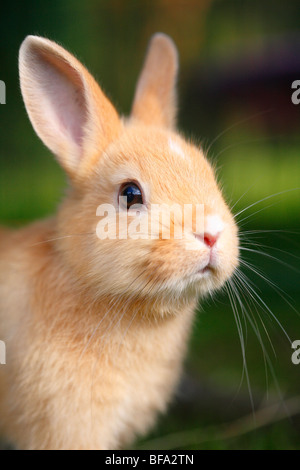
(133, 194)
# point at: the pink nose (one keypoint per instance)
(210, 239)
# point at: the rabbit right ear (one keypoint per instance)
(67, 108)
(155, 100)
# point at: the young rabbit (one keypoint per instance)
(96, 329)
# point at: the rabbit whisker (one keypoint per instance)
(264, 199)
(61, 238)
(236, 124)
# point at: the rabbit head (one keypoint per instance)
(138, 167)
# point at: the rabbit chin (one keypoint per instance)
(198, 285)
(170, 296)
(156, 290)
(209, 281)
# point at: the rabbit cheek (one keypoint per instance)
(169, 265)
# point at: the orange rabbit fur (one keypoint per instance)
(96, 330)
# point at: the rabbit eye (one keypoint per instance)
(133, 194)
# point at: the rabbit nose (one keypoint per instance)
(210, 239)
(214, 226)
(207, 238)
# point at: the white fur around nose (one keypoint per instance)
(214, 224)
(175, 148)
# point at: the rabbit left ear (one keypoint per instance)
(67, 108)
(155, 100)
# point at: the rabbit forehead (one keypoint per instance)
(163, 160)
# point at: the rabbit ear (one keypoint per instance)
(155, 96)
(67, 108)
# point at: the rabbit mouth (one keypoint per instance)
(204, 273)
(207, 269)
(212, 273)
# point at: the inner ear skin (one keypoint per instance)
(66, 93)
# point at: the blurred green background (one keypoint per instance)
(238, 62)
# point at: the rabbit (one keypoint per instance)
(96, 330)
